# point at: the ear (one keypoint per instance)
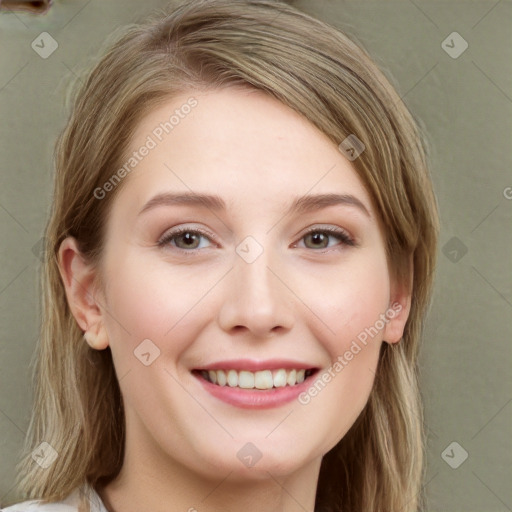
(79, 281)
(399, 306)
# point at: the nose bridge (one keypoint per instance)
(257, 299)
(256, 280)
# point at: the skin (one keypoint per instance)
(301, 298)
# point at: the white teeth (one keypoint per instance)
(222, 380)
(264, 379)
(245, 380)
(292, 378)
(280, 378)
(232, 378)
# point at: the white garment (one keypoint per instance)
(70, 504)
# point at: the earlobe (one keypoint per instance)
(399, 309)
(397, 314)
(97, 342)
(78, 278)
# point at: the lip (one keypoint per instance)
(252, 365)
(255, 398)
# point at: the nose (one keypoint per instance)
(256, 298)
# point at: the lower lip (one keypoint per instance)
(255, 398)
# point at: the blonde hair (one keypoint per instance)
(320, 73)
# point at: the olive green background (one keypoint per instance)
(465, 106)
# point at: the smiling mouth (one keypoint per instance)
(264, 379)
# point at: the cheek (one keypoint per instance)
(352, 311)
(351, 306)
(145, 303)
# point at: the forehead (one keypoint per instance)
(241, 143)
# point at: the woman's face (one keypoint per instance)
(252, 283)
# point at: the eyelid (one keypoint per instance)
(346, 240)
(178, 230)
(335, 231)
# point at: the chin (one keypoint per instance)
(250, 463)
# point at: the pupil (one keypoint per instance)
(317, 238)
(189, 239)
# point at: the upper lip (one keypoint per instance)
(254, 366)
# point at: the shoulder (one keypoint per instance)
(25, 506)
(37, 506)
(70, 504)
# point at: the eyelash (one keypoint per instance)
(335, 232)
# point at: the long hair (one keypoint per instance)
(320, 73)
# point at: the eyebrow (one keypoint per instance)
(301, 204)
